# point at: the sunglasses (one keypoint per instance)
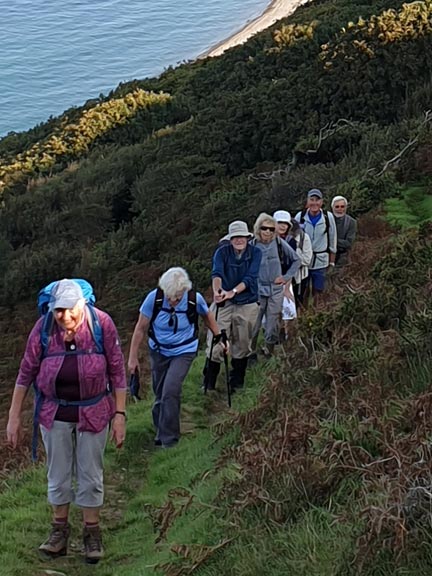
(173, 321)
(268, 228)
(337, 206)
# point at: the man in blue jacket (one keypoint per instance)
(235, 289)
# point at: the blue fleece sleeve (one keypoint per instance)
(202, 307)
(218, 264)
(253, 270)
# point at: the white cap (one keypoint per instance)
(282, 216)
(65, 294)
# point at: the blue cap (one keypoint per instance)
(315, 192)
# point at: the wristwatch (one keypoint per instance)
(235, 290)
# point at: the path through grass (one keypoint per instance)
(157, 501)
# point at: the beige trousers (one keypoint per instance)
(238, 320)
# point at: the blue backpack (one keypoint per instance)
(43, 302)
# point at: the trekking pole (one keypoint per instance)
(208, 360)
(224, 340)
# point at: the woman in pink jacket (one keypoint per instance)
(81, 388)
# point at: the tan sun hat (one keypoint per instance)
(238, 228)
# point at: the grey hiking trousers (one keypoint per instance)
(270, 307)
(74, 455)
(168, 374)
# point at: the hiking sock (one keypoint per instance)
(60, 521)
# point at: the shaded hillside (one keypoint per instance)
(324, 101)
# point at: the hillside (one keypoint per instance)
(326, 466)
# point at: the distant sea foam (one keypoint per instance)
(55, 54)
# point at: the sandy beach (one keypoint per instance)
(276, 10)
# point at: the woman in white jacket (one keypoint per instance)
(291, 231)
(304, 252)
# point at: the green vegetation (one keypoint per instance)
(412, 208)
(324, 466)
(157, 501)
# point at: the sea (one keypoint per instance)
(55, 54)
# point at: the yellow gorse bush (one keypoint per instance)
(72, 140)
(411, 22)
(288, 34)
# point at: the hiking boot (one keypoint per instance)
(237, 373)
(92, 539)
(56, 544)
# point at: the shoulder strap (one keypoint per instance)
(327, 230)
(280, 250)
(95, 328)
(302, 215)
(157, 306)
(192, 313)
(45, 333)
(302, 237)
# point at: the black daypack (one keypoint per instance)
(283, 257)
(191, 313)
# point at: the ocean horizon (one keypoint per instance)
(56, 55)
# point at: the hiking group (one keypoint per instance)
(74, 360)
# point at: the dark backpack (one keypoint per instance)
(283, 257)
(191, 313)
(43, 301)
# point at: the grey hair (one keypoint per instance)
(339, 199)
(173, 281)
(263, 217)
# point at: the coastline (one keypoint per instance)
(276, 10)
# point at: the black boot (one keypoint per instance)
(237, 373)
(210, 373)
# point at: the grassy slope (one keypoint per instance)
(289, 486)
(143, 487)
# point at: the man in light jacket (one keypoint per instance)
(321, 228)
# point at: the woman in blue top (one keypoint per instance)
(170, 315)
